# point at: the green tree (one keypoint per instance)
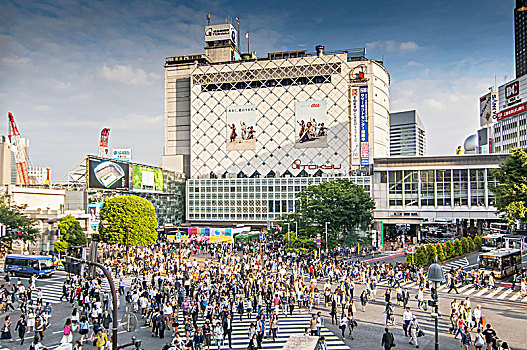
(458, 248)
(71, 234)
(346, 206)
(440, 252)
(420, 256)
(464, 245)
(12, 216)
(408, 258)
(450, 251)
(136, 212)
(471, 245)
(431, 253)
(511, 188)
(477, 243)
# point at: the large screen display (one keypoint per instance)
(147, 179)
(108, 174)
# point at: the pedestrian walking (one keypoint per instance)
(479, 340)
(21, 327)
(388, 340)
(343, 324)
(414, 328)
(67, 336)
(274, 326)
(6, 330)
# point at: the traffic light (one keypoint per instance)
(74, 266)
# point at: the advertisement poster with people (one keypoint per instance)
(311, 129)
(93, 210)
(241, 133)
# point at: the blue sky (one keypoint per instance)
(70, 68)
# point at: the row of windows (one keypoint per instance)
(258, 84)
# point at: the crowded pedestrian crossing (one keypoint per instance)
(463, 263)
(499, 293)
(294, 324)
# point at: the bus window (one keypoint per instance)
(46, 264)
(16, 262)
(490, 263)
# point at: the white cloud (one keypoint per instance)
(413, 64)
(42, 108)
(448, 107)
(16, 61)
(127, 75)
(392, 45)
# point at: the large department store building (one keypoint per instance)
(252, 132)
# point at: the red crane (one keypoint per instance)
(20, 154)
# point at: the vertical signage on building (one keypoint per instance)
(355, 121)
(364, 144)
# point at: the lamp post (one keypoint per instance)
(327, 237)
(105, 224)
(436, 275)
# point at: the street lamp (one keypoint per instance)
(105, 224)
(327, 222)
(436, 275)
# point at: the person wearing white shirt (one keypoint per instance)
(407, 317)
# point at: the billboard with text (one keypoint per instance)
(108, 174)
(147, 178)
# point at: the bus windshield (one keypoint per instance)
(46, 264)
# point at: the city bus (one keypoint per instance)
(499, 227)
(502, 262)
(492, 241)
(41, 266)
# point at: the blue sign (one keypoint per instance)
(364, 144)
(318, 245)
(262, 236)
(178, 235)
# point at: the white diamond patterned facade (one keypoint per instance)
(273, 87)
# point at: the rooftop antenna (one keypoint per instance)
(238, 34)
(208, 19)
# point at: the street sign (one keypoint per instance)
(410, 249)
(318, 245)
(262, 236)
(178, 234)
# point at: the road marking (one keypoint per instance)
(491, 295)
(470, 291)
(504, 294)
(483, 291)
(463, 288)
(516, 296)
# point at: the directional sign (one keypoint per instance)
(262, 236)
(178, 234)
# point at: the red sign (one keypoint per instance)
(297, 164)
(509, 112)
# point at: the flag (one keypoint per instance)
(247, 35)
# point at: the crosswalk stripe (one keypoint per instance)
(481, 292)
(470, 291)
(464, 288)
(491, 295)
(504, 294)
(515, 296)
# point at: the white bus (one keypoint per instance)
(492, 241)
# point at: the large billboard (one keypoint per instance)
(146, 178)
(241, 133)
(364, 142)
(355, 122)
(122, 154)
(488, 108)
(220, 32)
(108, 174)
(311, 129)
(209, 234)
(513, 93)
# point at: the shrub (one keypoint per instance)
(464, 245)
(408, 258)
(431, 253)
(420, 256)
(449, 249)
(477, 243)
(471, 245)
(458, 248)
(440, 252)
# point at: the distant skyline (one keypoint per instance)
(70, 68)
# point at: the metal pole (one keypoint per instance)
(326, 236)
(127, 245)
(115, 321)
(436, 321)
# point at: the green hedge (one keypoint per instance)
(426, 255)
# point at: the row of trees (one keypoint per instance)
(344, 206)
(426, 255)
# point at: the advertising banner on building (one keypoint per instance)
(512, 111)
(364, 142)
(210, 235)
(241, 133)
(311, 124)
(488, 108)
(355, 122)
(94, 210)
(221, 32)
(122, 154)
(108, 174)
(146, 178)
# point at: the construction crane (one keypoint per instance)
(20, 154)
(103, 144)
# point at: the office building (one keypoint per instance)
(407, 134)
(520, 37)
(251, 132)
